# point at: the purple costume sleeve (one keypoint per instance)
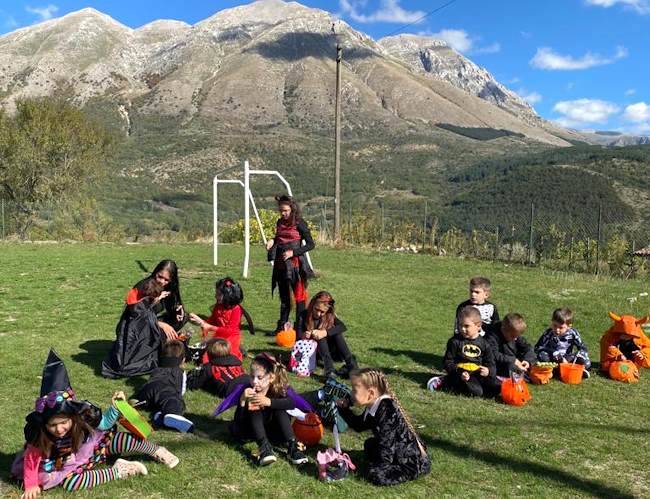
(232, 399)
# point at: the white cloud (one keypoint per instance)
(461, 41)
(546, 58)
(389, 11)
(526, 34)
(44, 13)
(640, 6)
(638, 112)
(584, 111)
(630, 92)
(10, 22)
(531, 97)
(570, 85)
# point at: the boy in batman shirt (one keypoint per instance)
(469, 359)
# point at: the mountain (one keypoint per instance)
(615, 139)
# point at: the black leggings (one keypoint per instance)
(264, 424)
(338, 345)
(476, 386)
(285, 287)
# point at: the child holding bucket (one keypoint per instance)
(511, 350)
(67, 439)
(558, 342)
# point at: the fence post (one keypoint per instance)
(571, 254)
(3, 219)
(530, 235)
(381, 208)
(496, 244)
(424, 226)
(600, 223)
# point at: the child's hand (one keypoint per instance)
(162, 296)
(343, 403)
(638, 355)
(180, 313)
(117, 396)
(168, 331)
(464, 376)
(287, 254)
(318, 334)
(31, 492)
(483, 371)
(260, 400)
(196, 319)
(248, 393)
(306, 335)
(269, 244)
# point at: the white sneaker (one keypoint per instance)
(162, 455)
(126, 468)
(435, 383)
(179, 423)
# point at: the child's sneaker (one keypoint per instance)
(266, 456)
(435, 383)
(295, 454)
(179, 423)
(162, 455)
(158, 419)
(126, 468)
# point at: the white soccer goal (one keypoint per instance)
(248, 202)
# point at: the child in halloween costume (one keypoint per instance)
(557, 343)
(138, 335)
(469, 359)
(479, 292)
(67, 438)
(319, 322)
(625, 340)
(395, 453)
(226, 315)
(170, 311)
(291, 269)
(222, 372)
(164, 391)
(262, 406)
(511, 350)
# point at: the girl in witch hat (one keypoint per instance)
(67, 438)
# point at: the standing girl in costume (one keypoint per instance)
(319, 322)
(262, 406)
(291, 269)
(67, 438)
(226, 315)
(395, 453)
(170, 309)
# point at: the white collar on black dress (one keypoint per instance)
(373, 408)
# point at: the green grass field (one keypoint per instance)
(588, 440)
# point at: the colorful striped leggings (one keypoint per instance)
(121, 443)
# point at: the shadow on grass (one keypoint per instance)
(426, 359)
(567, 480)
(142, 267)
(95, 352)
(417, 377)
(206, 426)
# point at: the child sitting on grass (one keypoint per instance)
(221, 373)
(558, 342)
(224, 322)
(469, 359)
(66, 439)
(395, 453)
(262, 405)
(511, 350)
(479, 292)
(164, 391)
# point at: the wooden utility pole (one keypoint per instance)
(337, 145)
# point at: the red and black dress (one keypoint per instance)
(292, 274)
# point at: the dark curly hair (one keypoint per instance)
(295, 209)
(229, 292)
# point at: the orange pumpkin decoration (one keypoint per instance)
(540, 375)
(514, 392)
(310, 430)
(286, 338)
(625, 371)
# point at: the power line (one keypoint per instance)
(421, 18)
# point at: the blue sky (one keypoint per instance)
(582, 63)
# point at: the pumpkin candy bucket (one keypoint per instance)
(287, 337)
(309, 430)
(625, 371)
(514, 391)
(542, 372)
(571, 374)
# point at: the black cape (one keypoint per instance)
(137, 344)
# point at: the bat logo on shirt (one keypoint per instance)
(471, 351)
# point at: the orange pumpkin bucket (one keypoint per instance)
(310, 430)
(514, 392)
(540, 375)
(286, 338)
(571, 374)
(625, 371)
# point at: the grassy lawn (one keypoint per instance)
(588, 440)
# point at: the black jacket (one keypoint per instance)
(219, 376)
(461, 350)
(301, 326)
(288, 271)
(394, 455)
(137, 344)
(166, 382)
(506, 352)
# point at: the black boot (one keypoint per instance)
(350, 365)
(295, 455)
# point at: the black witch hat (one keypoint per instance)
(57, 396)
